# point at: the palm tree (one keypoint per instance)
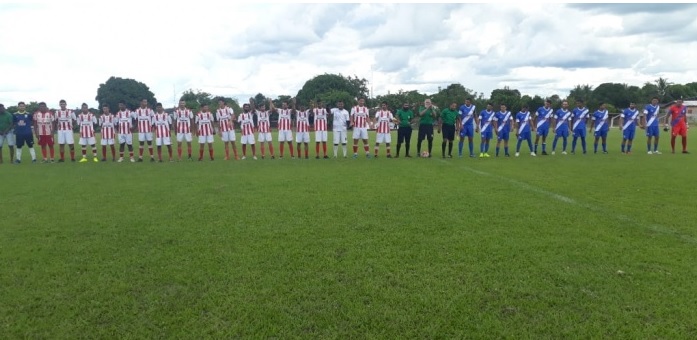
(663, 86)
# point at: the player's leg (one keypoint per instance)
(252, 143)
(505, 145)
(595, 143)
(19, 143)
(201, 147)
(356, 135)
(30, 144)
(565, 141)
(281, 142)
(306, 141)
(11, 141)
(150, 149)
(554, 143)
(498, 143)
(655, 141)
(429, 138)
(419, 138)
(544, 142)
(234, 146)
(180, 138)
(122, 146)
(225, 136)
(529, 139)
(70, 140)
(169, 148)
(443, 144)
(141, 146)
(210, 147)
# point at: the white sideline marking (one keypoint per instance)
(623, 218)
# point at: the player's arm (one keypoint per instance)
(621, 121)
(495, 123)
(440, 122)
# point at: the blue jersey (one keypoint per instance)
(524, 120)
(485, 121)
(467, 115)
(600, 120)
(563, 117)
(629, 117)
(503, 120)
(579, 119)
(651, 113)
(23, 123)
(543, 116)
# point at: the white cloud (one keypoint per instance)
(60, 50)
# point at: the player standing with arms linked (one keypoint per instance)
(205, 132)
(162, 123)
(65, 118)
(45, 125)
(264, 128)
(561, 122)
(467, 123)
(285, 125)
(601, 127)
(226, 118)
(427, 114)
(125, 123)
(383, 118)
(319, 121)
(404, 117)
(86, 121)
(502, 124)
(144, 116)
(543, 117)
(523, 132)
(359, 120)
(486, 118)
(184, 119)
(246, 121)
(580, 118)
(24, 132)
(107, 121)
(649, 120)
(446, 124)
(339, 122)
(677, 117)
(628, 119)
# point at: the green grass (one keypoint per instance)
(594, 246)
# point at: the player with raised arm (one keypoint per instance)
(264, 129)
(226, 118)
(183, 118)
(23, 123)
(45, 125)
(427, 114)
(144, 117)
(486, 118)
(677, 117)
(162, 124)
(628, 119)
(580, 117)
(125, 124)
(360, 115)
(446, 124)
(246, 120)
(302, 130)
(86, 121)
(543, 117)
(204, 130)
(561, 122)
(285, 126)
(467, 123)
(503, 121)
(319, 121)
(382, 121)
(600, 127)
(6, 135)
(108, 122)
(65, 118)
(523, 120)
(340, 120)
(649, 120)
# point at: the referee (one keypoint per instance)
(426, 114)
(446, 122)
(404, 117)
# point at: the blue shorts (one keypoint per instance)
(25, 139)
(601, 133)
(503, 135)
(487, 134)
(524, 135)
(543, 131)
(467, 131)
(562, 133)
(652, 131)
(628, 134)
(578, 132)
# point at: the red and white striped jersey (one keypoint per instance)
(383, 120)
(162, 122)
(284, 119)
(204, 120)
(183, 118)
(225, 118)
(107, 122)
(320, 120)
(246, 121)
(264, 121)
(144, 117)
(303, 121)
(45, 123)
(86, 123)
(65, 120)
(125, 121)
(360, 116)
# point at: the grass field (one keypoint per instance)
(594, 246)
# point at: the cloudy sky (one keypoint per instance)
(55, 50)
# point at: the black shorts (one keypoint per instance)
(24, 139)
(403, 134)
(448, 132)
(425, 131)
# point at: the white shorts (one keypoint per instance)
(86, 141)
(247, 139)
(360, 133)
(302, 137)
(320, 136)
(339, 137)
(126, 138)
(205, 139)
(65, 137)
(228, 136)
(285, 136)
(182, 136)
(163, 141)
(384, 138)
(9, 138)
(106, 141)
(144, 136)
(265, 137)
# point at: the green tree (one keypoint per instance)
(229, 101)
(662, 85)
(510, 97)
(130, 91)
(318, 86)
(453, 93)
